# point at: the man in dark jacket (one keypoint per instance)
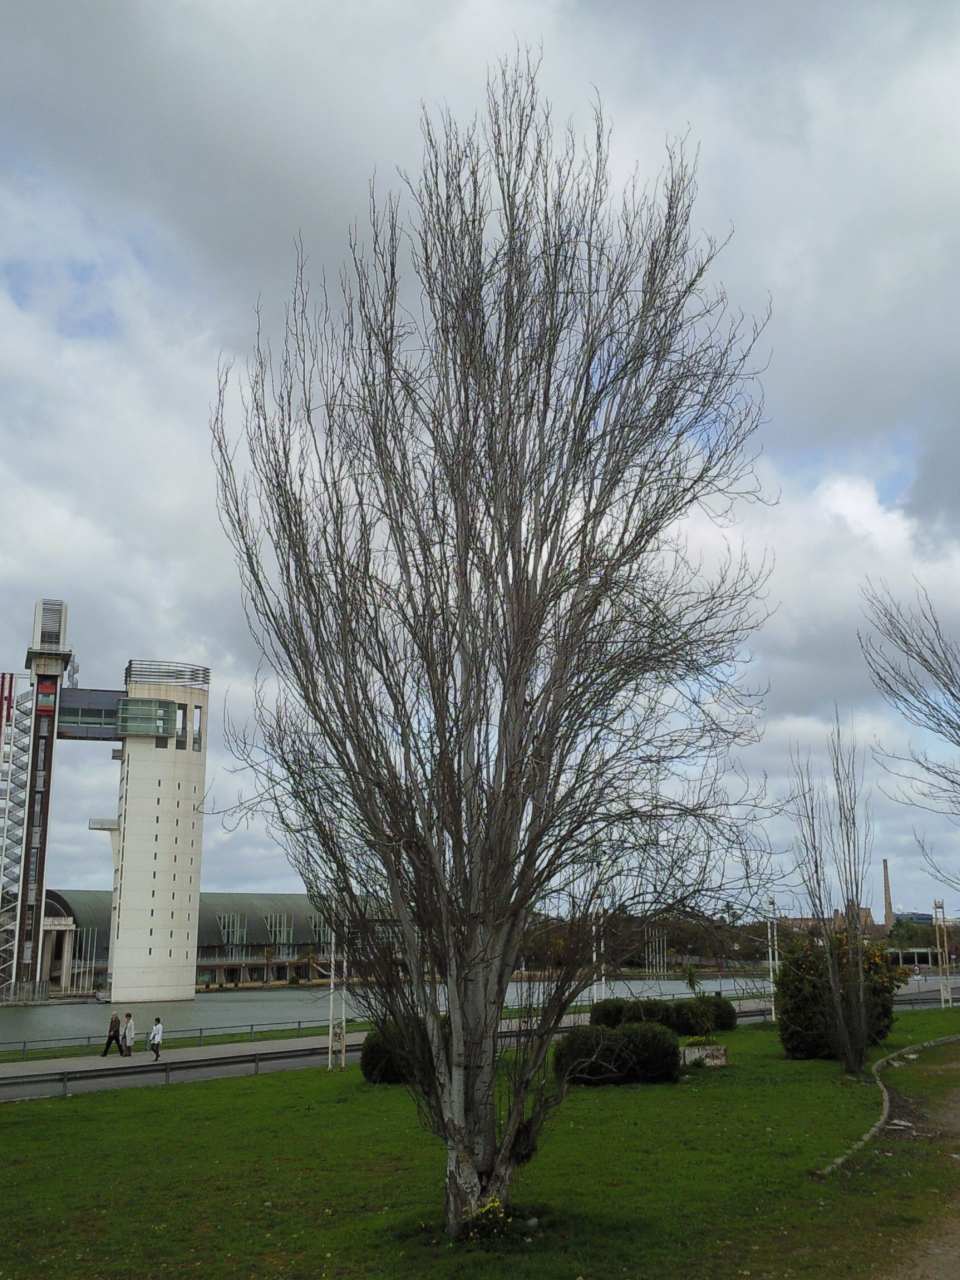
(113, 1035)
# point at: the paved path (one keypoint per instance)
(90, 1074)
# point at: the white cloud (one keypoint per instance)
(157, 161)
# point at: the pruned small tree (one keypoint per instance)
(915, 666)
(832, 842)
(500, 693)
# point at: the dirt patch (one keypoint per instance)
(936, 1257)
(907, 1119)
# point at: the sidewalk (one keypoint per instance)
(95, 1064)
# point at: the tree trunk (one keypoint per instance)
(470, 1190)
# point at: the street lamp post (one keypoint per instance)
(331, 998)
(773, 954)
(597, 942)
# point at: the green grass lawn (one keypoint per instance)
(310, 1175)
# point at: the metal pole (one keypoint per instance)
(776, 943)
(343, 1006)
(593, 987)
(773, 1003)
(943, 954)
(603, 964)
(330, 998)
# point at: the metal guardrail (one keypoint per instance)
(165, 1069)
(24, 1047)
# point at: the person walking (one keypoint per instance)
(113, 1034)
(127, 1036)
(156, 1038)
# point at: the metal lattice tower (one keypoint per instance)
(16, 715)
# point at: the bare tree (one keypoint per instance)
(500, 693)
(832, 843)
(916, 668)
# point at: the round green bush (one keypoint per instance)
(615, 1011)
(382, 1059)
(806, 1020)
(724, 1013)
(589, 1055)
(650, 1052)
(608, 1013)
(694, 1017)
(636, 1052)
(661, 1011)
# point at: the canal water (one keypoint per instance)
(222, 1010)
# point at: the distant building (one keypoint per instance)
(810, 924)
(157, 835)
(241, 938)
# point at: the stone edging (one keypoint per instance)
(885, 1109)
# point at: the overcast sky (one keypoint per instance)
(157, 161)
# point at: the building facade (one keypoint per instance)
(242, 939)
(157, 836)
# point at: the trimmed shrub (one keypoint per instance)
(662, 1011)
(615, 1011)
(805, 1012)
(589, 1055)
(651, 1052)
(636, 1052)
(608, 1013)
(694, 1017)
(382, 1059)
(724, 1013)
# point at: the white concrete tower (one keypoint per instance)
(158, 836)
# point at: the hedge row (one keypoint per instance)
(696, 1017)
(633, 1053)
(627, 1041)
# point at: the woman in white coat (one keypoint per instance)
(127, 1036)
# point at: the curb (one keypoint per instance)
(874, 1129)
